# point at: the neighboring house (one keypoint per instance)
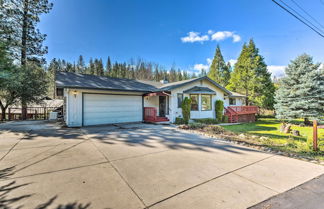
(94, 100)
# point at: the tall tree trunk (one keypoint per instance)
(3, 113)
(24, 52)
(247, 98)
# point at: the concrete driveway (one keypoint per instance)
(136, 166)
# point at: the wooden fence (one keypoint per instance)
(33, 113)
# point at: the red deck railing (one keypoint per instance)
(244, 109)
(150, 114)
(241, 113)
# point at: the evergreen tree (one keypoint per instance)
(99, 68)
(203, 73)
(80, 65)
(251, 78)
(218, 70)
(179, 75)
(91, 68)
(226, 74)
(108, 67)
(8, 82)
(21, 33)
(301, 92)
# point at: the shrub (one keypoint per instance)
(186, 106)
(206, 120)
(196, 125)
(219, 109)
(225, 119)
(179, 121)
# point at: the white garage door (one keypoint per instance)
(106, 109)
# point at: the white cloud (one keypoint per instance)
(277, 70)
(222, 35)
(200, 67)
(194, 37)
(232, 62)
(209, 61)
(211, 35)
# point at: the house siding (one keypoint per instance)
(177, 112)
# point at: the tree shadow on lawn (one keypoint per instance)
(9, 200)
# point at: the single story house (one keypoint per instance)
(95, 100)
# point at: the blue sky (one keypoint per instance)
(156, 30)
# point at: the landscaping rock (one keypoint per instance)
(264, 138)
(242, 136)
(287, 129)
(295, 132)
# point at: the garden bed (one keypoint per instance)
(264, 134)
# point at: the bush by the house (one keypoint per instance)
(206, 120)
(179, 121)
(225, 119)
(219, 109)
(186, 106)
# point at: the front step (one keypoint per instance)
(161, 119)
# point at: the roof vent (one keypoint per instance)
(164, 81)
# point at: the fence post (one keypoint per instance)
(315, 135)
(45, 115)
(9, 115)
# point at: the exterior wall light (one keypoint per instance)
(74, 93)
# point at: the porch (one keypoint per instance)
(156, 107)
(241, 113)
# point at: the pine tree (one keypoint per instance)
(23, 37)
(218, 68)
(226, 75)
(80, 65)
(108, 67)
(179, 75)
(251, 78)
(99, 69)
(202, 73)
(21, 33)
(301, 92)
(91, 68)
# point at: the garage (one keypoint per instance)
(106, 109)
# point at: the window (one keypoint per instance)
(194, 102)
(206, 102)
(59, 92)
(232, 101)
(180, 99)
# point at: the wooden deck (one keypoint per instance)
(238, 114)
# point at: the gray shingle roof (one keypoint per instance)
(234, 94)
(199, 90)
(76, 80)
(84, 81)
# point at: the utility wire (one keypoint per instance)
(307, 13)
(301, 16)
(312, 28)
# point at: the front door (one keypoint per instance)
(162, 106)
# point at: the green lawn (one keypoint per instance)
(269, 127)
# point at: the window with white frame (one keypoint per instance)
(232, 101)
(206, 102)
(194, 102)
